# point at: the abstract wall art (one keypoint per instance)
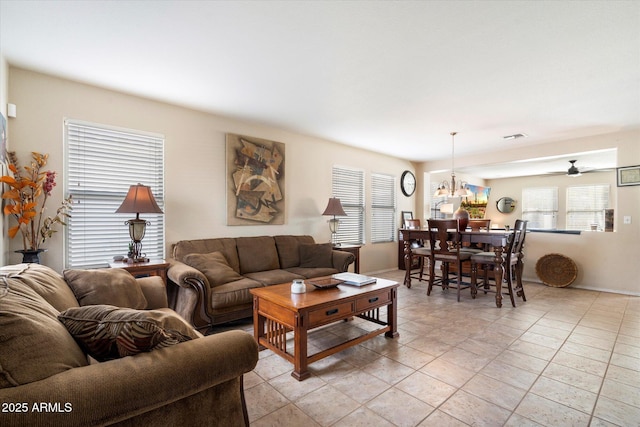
(255, 181)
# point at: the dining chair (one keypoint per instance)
(444, 247)
(477, 225)
(510, 257)
(520, 263)
(412, 224)
(417, 250)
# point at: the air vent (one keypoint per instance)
(515, 136)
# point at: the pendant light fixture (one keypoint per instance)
(450, 190)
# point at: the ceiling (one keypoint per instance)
(393, 77)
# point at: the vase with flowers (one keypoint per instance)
(26, 198)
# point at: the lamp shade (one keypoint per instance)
(334, 207)
(139, 200)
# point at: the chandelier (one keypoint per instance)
(450, 190)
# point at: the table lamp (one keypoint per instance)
(334, 208)
(139, 200)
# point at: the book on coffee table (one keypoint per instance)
(354, 279)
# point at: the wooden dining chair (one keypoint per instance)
(412, 224)
(510, 256)
(444, 247)
(477, 225)
(520, 263)
(418, 250)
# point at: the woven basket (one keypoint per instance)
(556, 270)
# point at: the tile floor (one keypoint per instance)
(566, 357)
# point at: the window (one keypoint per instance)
(348, 186)
(101, 163)
(540, 207)
(383, 208)
(586, 205)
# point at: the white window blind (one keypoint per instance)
(540, 207)
(101, 164)
(586, 205)
(348, 186)
(383, 208)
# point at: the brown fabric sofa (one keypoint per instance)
(210, 279)
(46, 377)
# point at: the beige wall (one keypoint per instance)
(195, 199)
(195, 162)
(606, 261)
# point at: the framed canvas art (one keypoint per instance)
(255, 181)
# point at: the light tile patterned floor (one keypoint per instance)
(565, 357)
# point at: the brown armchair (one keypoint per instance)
(53, 381)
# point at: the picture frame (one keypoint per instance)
(406, 215)
(628, 175)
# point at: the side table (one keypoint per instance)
(355, 250)
(154, 267)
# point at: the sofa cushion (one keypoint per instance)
(316, 255)
(112, 286)
(226, 245)
(289, 249)
(233, 293)
(273, 277)
(257, 254)
(107, 332)
(309, 272)
(33, 344)
(214, 266)
(47, 283)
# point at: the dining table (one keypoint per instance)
(496, 239)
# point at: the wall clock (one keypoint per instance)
(408, 183)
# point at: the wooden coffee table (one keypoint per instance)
(277, 311)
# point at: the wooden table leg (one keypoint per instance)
(300, 361)
(392, 315)
(499, 272)
(258, 324)
(407, 263)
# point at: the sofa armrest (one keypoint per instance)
(189, 295)
(184, 275)
(110, 392)
(342, 260)
(155, 292)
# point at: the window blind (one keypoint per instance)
(101, 164)
(383, 208)
(348, 186)
(586, 205)
(540, 207)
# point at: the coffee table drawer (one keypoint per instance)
(328, 314)
(375, 300)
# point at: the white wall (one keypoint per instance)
(195, 162)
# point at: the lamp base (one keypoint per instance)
(136, 254)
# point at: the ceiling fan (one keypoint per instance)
(573, 170)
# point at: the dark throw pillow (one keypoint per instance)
(106, 332)
(316, 255)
